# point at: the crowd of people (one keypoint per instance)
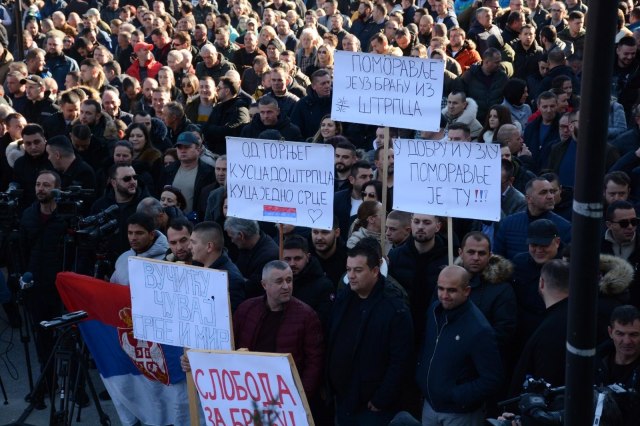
(120, 112)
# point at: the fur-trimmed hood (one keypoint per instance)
(499, 270)
(467, 116)
(616, 275)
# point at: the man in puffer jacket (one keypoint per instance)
(145, 241)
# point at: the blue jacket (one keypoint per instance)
(60, 66)
(540, 149)
(460, 366)
(511, 238)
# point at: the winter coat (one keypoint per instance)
(616, 274)
(472, 83)
(466, 56)
(467, 117)
(606, 247)
(25, 172)
(540, 149)
(227, 119)
(511, 238)
(289, 132)
(418, 274)
(382, 351)
(560, 70)
(299, 334)
(286, 102)
(60, 66)
(251, 261)
(152, 67)
(235, 278)
(491, 292)
(544, 355)
(617, 120)
(459, 367)
(217, 71)
(526, 61)
(205, 175)
(314, 288)
(604, 358)
(559, 150)
(308, 113)
(156, 251)
(39, 111)
(531, 307)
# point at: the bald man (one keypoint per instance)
(460, 365)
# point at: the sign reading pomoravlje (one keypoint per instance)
(456, 179)
(387, 90)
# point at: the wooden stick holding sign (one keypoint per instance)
(385, 169)
(280, 241)
(194, 412)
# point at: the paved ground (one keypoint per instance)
(13, 372)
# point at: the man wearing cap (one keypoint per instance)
(40, 106)
(544, 246)
(58, 63)
(145, 65)
(189, 174)
(621, 240)
(213, 64)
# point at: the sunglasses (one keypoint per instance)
(624, 223)
(130, 178)
(368, 194)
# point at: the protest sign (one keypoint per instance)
(233, 385)
(456, 179)
(180, 305)
(281, 182)
(385, 90)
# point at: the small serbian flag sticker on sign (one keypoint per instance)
(279, 211)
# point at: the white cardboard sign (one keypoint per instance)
(456, 179)
(280, 182)
(385, 90)
(180, 305)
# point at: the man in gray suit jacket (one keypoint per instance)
(512, 200)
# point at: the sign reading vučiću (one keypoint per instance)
(280, 182)
(180, 305)
(234, 387)
(386, 90)
(456, 179)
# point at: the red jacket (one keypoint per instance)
(466, 57)
(153, 67)
(299, 334)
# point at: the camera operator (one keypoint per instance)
(35, 159)
(618, 360)
(145, 241)
(42, 233)
(73, 170)
(122, 190)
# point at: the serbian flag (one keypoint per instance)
(144, 379)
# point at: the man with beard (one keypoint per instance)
(416, 265)
(27, 167)
(58, 63)
(122, 190)
(178, 235)
(462, 50)
(330, 250)
(42, 233)
(345, 156)
(310, 284)
(626, 73)
(390, 169)
(347, 201)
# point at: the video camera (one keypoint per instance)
(70, 202)
(99, 225)
(9, 202)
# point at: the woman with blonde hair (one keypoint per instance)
(306, 54)
(323, 60)
(166, 79)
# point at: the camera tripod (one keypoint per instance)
(68, 363)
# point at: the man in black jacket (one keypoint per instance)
(35, 159)
(228, 117)
(310, 284)
(39, 107)
(269, 117)
(309, 111)
(416, 265)
(189, 174)
(370, 343)
(544, 354)
(42, 233)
